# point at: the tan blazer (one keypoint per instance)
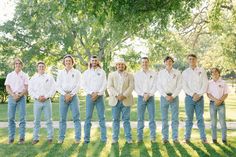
(127, 88)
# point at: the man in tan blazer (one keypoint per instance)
(120, 87)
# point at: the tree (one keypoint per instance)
(47, 30)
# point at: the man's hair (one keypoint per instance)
(169, 57)
(40, 62)
(217, 69)
(68, 56)
(145, 58)
(192, 55)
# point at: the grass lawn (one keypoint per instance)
(230, 110)
(96, 148)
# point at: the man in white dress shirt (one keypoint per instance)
(42, 88)
(169, 85)
(17, 87)
(145, 87)
(195, 84)
(68, 84)
(94, 84)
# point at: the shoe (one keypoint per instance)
(214, 141)
(140, 141)
(49, 141)
(224, 141)
(11, 141)
(129, 141)
(187, 141)
(114, 142)
(86, 142)
(176, 141)
(77, 141)
(35, 142)
(60, 141)
(153, 141)
(204, 141)
(21, 141)
(165, 141)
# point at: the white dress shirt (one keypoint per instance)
(169, 82)
(217, 88)
(195, 81)
(94, 80)
(145, 82)
(42, 85)
(17, 81)
(68, 82)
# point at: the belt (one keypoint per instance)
(169, 94)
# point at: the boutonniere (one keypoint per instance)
(73, 75)
(199, 73)
(46, 80)
(98, 74)
(150, 76)
(174, 76)
(220, 86)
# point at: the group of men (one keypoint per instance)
(120, 85)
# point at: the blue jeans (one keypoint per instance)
(221, 113)
(174, 107)
(99, 103)
(74, 107)
(150, 105)
(40, 107)
(12, 106)
(116, 112)
(198, 107)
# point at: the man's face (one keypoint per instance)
(192, 61)
(145, 63)
(68, 62)
(18, 65)
(41, 68)
(94, 62)
(120, 67)
(169, 63)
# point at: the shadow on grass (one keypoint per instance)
(143, 152)
(199, 151)
(211, 150)
(126, 150)
(115, 152)
(83, 150)
(170, 150)
(182, 150)
(98, 148)
(155, 150)
(226, 150)
(55, 151)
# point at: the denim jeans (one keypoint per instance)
(12, 107)
(150, 105)
(198, 107)
(221, 113)
(99, 103)
(174, 107)
(74, 107)
(116, 112)
(40, 107)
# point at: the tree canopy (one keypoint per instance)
(47, 30)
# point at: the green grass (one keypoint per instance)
(230, 110)
(96, 148)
